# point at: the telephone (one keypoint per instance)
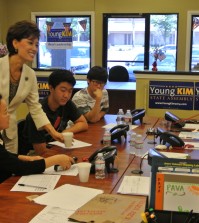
(170, 139)
(118, 131)
(138, 114)
(152, 153)
(174, 119)
(109, 152)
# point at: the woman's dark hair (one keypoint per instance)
(58, 76)
(21, 30)
(98, 73)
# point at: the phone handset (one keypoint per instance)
(109, 153)
(171, 139)
(138, 114)
(118, 131)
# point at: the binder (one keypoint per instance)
(175, 190)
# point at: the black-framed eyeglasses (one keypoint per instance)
(96, 83)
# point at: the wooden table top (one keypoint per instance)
(15, 207)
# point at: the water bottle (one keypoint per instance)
(100, 166)
(120, 116)
(128, 119)
(132, 143)
(107, 138)
(139, 144)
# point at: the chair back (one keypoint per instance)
(23, 145)
(118, 74)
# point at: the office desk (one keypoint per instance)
(15, 207)
(122, 92)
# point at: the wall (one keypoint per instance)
(12, 11)
(142, 92)
(3, 20)
(23, 8)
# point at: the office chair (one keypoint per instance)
(118, 74)
(23, 146)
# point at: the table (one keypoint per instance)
(124, 92)
(15, 207)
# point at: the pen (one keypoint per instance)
(26, 185)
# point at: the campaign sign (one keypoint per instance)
(59, 39)
(196, 101)
(43, 88)
(171, 95)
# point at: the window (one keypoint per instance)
(66, 41)
(130, 40)
(194, 44)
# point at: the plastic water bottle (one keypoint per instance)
(107, 138)
(132, 143)
(139, 144)
(128, 119)
(120, 117)
(100, 166)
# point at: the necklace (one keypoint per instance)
(14, 80)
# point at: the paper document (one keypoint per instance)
(189, 135)
(175, 155)
(111, 125)
(76, 144)
(36, 183)
(52, 215)
(195, 144)
(73, 171)
(68, 196)
(135, 185)
(191, 126)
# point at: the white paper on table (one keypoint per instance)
(76, 144)
(73, 171)
(195, 144)
(52, 215)
(189, 135)
(69, 197)
(135, 185)
(175, 155)
(191, 126)
(111, 125)
(40, 180)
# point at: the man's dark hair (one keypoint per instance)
(58, 76)
(21, 30)
(98, 73)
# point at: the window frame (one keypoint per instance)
(34, 16)
(190, 14)
(106, 16)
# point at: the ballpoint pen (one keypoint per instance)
(27, 185)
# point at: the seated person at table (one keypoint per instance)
(93, 101)
(11, 163)
(59, 110)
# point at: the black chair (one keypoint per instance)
(23, 146)
(118, 74)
